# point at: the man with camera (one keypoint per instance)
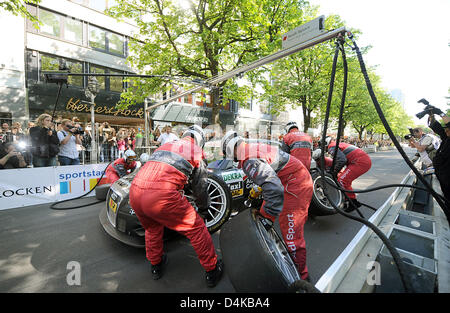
(441, 158)
(69, 137)
(426, 145)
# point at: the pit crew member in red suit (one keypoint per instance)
(157, 197)
(286, 189)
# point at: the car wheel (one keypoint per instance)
(220, 209)
(256, 260)
(101, 191)
(320, 204)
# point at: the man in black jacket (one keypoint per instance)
(441, 161)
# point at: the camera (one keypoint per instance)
(427, 110)
(76, 131)
(410, 135)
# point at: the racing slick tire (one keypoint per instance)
(257, 260)
(320, 205)
(220, 208)
(102, 191)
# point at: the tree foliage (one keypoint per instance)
(208, 39)
(18, 7)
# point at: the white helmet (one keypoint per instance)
(197, 133)
(144, 158)
(129, 155)
(229, 142)
(289, 126)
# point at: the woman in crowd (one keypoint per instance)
(44, 142)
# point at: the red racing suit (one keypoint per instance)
(287, 191)
(157, 198)
(299, 145)
(118, 169)
(357, 162)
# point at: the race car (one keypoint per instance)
(228, 188)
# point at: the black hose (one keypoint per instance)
(395, 255)
(388, 128)
(53, 205)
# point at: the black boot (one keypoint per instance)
(213, 277)
(157, 269)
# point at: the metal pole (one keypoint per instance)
(93, 133)
(268, 59)
(146, 113)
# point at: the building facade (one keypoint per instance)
(79, 34)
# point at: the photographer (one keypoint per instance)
(44, 142)
(10, 158)
(69, 138)
(426, 145)
(441, 161)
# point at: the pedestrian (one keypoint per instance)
(297, 144)
(157, 198)
(356, 163)
(68, 138)
(286, 189)
(44, 142)
(167, 136)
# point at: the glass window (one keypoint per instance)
(116, 82)
(51, 23)
(116, 43)
(48, 63)
(97, 37)
(75, 67)
(73, 30)
(99, 5)
(100, 79)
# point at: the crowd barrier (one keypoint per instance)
(32, 186)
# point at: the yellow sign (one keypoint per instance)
(112, 205)
(75, 105)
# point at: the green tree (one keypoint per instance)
(18, 7)
(208, 39)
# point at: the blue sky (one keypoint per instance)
(410, 44)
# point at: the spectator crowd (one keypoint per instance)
(69, 142)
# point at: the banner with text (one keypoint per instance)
(31, 186)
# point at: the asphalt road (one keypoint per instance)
(40, 248)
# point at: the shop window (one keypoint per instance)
(75, 67)
(51, 63)
(116, 82)
(100, 79)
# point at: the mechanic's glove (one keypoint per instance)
(203, 212)
(255, 192)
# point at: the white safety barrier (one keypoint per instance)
(31, 186)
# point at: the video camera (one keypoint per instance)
(76, 131)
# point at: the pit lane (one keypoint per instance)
(38, 244)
